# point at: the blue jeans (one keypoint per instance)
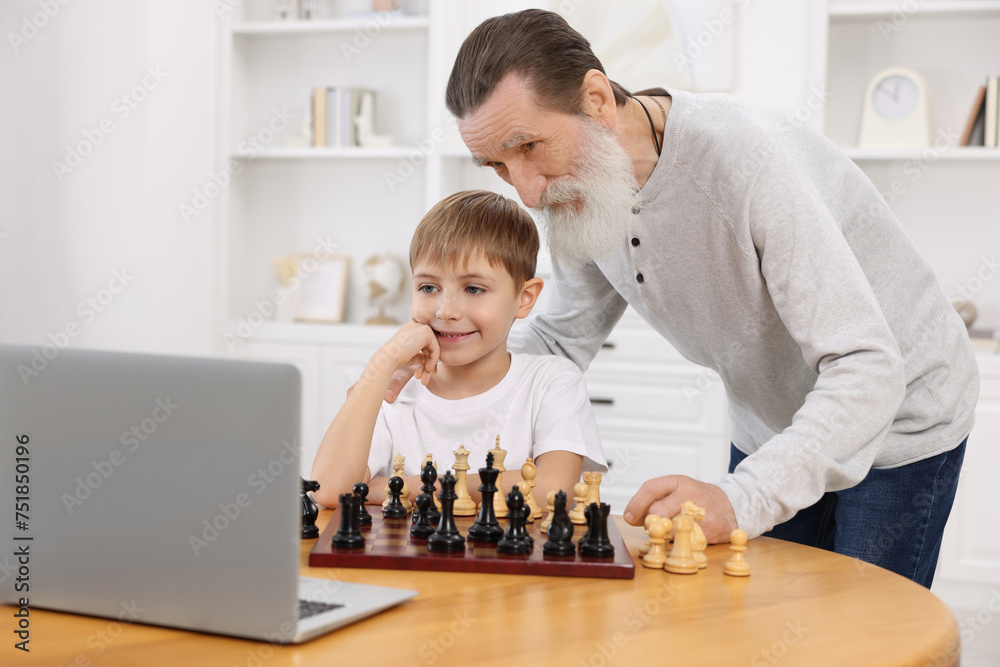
(893, 518)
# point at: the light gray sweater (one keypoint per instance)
(770, 257)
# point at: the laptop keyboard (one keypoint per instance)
(309, 608)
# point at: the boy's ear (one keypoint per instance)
(529, 295)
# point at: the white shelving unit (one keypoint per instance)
(290, 197)
(947, 199)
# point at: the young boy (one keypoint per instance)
(473, 261)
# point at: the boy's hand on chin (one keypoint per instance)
(416, 351)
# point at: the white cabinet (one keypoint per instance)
(944, 195)
(658, 414)
(971, 549)
(946, 198)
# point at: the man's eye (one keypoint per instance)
(529, 146)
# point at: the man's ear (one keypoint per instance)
(599, 98)
(529, 295)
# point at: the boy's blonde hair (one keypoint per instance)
(474, 221)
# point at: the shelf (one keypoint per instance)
(311, 333)
(950, 153)
(330, 153)
(372, 22)
(888, 10)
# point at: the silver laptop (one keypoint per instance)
(161, 490)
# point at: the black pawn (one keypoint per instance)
(422, 527)
(447, 539)
(361, 491)
(309, 510)
(560, 532)
(598, 544)
(429, 476)
(516, 540)
(395, 509)
(586, 535)
(487, 528)
(348, 534)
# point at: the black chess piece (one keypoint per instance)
(348, 535)
(429, 476)
(487, 528)
(395, 508)
(309, 510)
(447, 539)
(516, 540)
(361, 491)
(560, 542)
(598, 544)
(422, 527)
(586, 534)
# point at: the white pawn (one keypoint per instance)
(657, 529)
(550, 507)
(736, 566)
(398, 462)
(576, 514)
(528, 474)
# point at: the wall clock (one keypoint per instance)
(896, 112)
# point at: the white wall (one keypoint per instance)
(96, 255)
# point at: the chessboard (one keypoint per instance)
(388, 546)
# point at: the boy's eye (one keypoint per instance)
(473, 289)
(427, 289)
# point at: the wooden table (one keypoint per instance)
(800, 606)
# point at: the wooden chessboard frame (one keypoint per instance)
(393, 549)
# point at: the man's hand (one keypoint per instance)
(663, 496)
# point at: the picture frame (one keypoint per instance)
(322, 292)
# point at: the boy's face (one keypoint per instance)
(470, 307)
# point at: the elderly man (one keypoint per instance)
(756, 249)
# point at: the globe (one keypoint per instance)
(386, 277)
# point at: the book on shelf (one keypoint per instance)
(335, 109)
(974, 126)
(992, 110)
(319, 117)
(982, 127)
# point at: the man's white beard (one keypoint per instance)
(594, 204)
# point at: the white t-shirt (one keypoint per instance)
(540, 406)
